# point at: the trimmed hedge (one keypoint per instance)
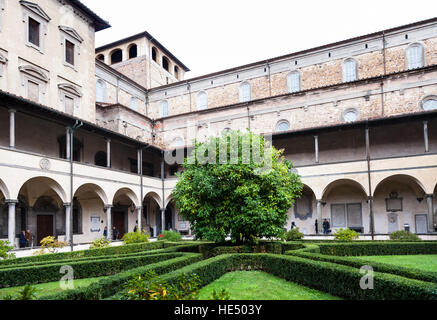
(377, 266)
(212, 249)
(338, 280)
(83, 269)
(111, 285)
(378, 248)
(123, 249)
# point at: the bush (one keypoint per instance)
(113, 284)
(172, 236)
(5, 248)
(404, 236)
(51, 244)
(212, 249)
(294, 235)
(100, 243)
(20, 276)
(346, 235)
(378, 248)
(135, 237)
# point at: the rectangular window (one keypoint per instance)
(33, 91)
(34, 31)
(346, 215)
(69, 52)
(338, 216)
(69, 105)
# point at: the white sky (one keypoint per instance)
(209, 36)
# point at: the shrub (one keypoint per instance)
(135, 237)
(404, 236)
(221, 295)
(51, 244)
(168, 235)
(100, 243)
(111, 285)
(5, 248)
(346, 235)
(378, 248)
(84, 269)
(294, 235)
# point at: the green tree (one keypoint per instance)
(236, 185)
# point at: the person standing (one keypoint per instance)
(326, 226)
(293, 225)
(115, 233)
(29, 239)
(22, 241)
(316, 225)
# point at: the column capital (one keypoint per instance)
(67, 204)
(107, 139)
(11, 201)
(429, 196)
(12, 110)
(138, 207)
(370, 198)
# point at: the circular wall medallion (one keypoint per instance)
(45, 164)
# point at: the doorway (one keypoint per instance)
(119, 223)
(44, 227)
(421, 221)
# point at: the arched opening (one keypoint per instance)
(123, 212)
(77, 148)
(152, 213)
(176, 72)
(100, 159)
(166, 64)
(133, 51)
(303, 212)
(41, 211)
(344, 205)
(89, 201)
(400, 204)
(101, 57)
(116, 56)
(3, 211)
(154, 54)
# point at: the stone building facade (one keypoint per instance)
(358, 119)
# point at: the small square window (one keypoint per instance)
(69, 52)
(34, 32)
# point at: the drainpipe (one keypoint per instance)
(370, 198)
(385, 73)
(163, 199)
(76, 126)
(248, 116)
(270, 79)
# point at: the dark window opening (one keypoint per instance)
(77, 147)
(34, 31)
(148, 169)
(77, 217)
(101, 57)
(100, 159)
(173, 170)
(116, 56)
(69, 52)
(154, 55)
(165, 63)
(133, 51)
(176, 72)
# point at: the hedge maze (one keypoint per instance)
(331, 267)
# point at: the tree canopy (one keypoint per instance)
(236, 185)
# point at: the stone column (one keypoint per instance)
(429, 202)
(108, 152)
(316, 147)
(162, 219)
(68, 225)
(12, 128)
(108, 222)
(67, 143)
(11, 221)
(139, 161)
(140, 225)
(319, 216)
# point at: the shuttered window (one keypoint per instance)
(415, 56)
(349, 70)
(293, 82)
(245, 92)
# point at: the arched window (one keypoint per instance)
(293, 82)
(415, 56)
(134, 103)
(245, 92)
(116, 56)
(133, 51)
(283, 125)
(350, 70)
(100, 91)
(202, 100)
(100, 159)
(164, 109)
(176, 72)
(351, 115)
(101, 57)
(154, 54)
(166, 63)
(429, 103)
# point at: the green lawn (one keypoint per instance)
(257, 285)
(425, 262)
(46, 289)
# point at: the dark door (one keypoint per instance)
(44, 227)
(119, 223)
(168, 219)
